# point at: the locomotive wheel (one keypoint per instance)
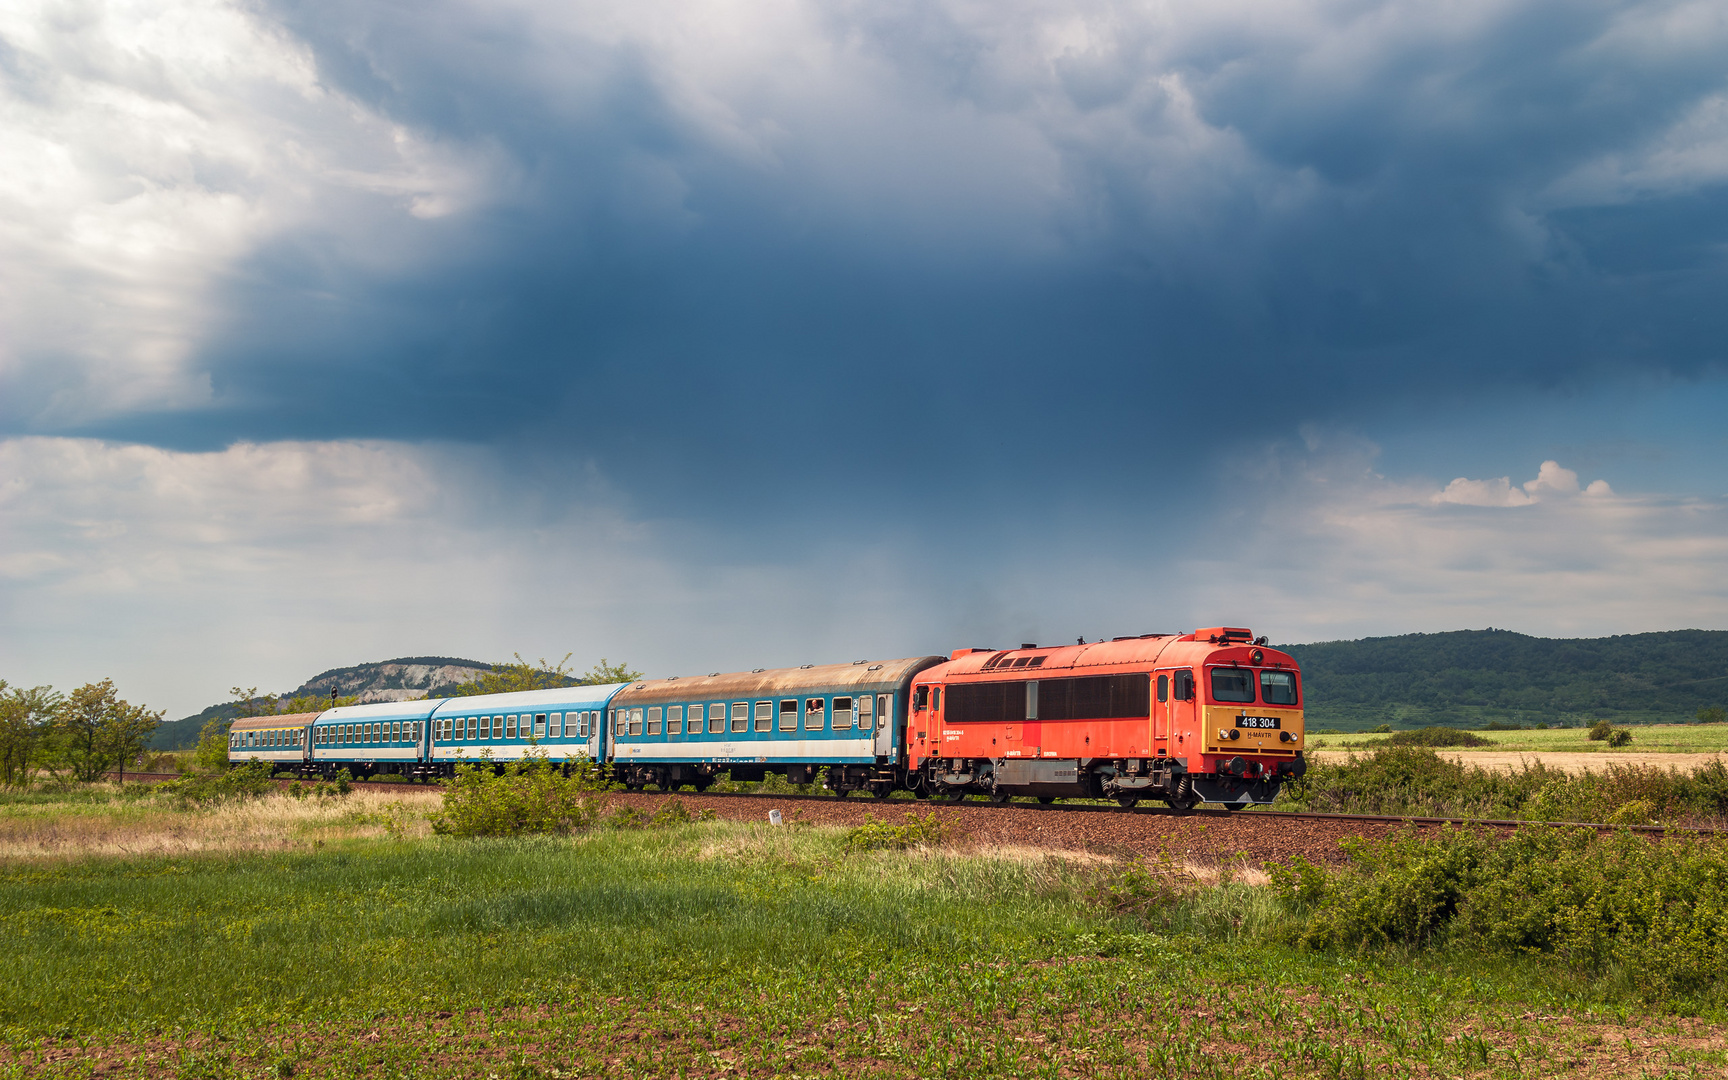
(956, 796)
(1185, 798)
(1127, 802)
(1000, 798)
(1046, 800)
(882, 792)
(919, 792)
(1235, 806)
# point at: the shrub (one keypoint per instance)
(1438, 736)
(241, 782)
(1147, 888)
(1381, 730)
(388, 778)
(1599, 731)
(1401, 890)
(526, 797)
(1715, 714)
(1299, 883)
(1501, 725)
(1619, 737)
(1655, 913)
(673, 811)
(917, 831)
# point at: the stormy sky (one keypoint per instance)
(718, 335)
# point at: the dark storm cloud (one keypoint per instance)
(865, 240)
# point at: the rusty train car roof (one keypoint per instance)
(750, 685)
(284, 720)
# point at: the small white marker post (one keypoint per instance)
(774, 817)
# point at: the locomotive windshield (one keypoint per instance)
(1232, 684)
(1278, 687)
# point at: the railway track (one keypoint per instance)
(1254, 816)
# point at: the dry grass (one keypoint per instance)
(149, 826)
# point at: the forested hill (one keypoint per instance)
(1471, 677)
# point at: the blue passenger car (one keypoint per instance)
(564, 725)
(386, 737)
(849, 719)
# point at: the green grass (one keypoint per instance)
(722, 949)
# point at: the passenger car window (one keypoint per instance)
(1232, 684)
(674, 719)
(789, 715)
(1278, 687)
(863, 719)
(843, 711)
(716, 719)
(539, 725)
(635, 721)
(815, 714)
(764, 715)
(740, 716)
(654, 720)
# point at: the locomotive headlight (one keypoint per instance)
(1223, 734)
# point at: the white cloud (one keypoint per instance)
(146, 148)
(1343, 551)
(182, 574)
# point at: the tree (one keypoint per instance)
(313, 703)
(510, 678)
(1714, 714)
(26, 721)
(98, 730)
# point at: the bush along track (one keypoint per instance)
(1416, 781)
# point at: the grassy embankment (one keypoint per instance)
(335, 937)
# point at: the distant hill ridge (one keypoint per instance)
(402, 679)
(1473, 677)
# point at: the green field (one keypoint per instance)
(1646, 739)
(717, 949)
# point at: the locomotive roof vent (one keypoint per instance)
(1028, 644)
(805, 667)
(855, 663)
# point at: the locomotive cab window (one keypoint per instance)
(936, 699)
(1182, 685)
(921, 698)
(1163, 688)
(1278, 687)
(1232, 684)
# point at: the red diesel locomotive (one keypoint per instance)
(1213, 716)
